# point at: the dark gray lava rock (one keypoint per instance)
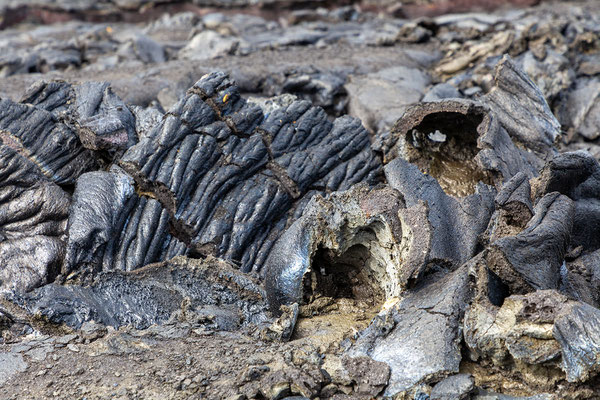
(578, 333)
(456, 223)
(580, 278)
(441, 91)
(419, 336)
(375, 99)
(513, 211)
(33, 218)
(205, 293)
(323, 88)
(522, 109)
(581, 109)
(576, 175)
(455, 387)
(531, 259)
(99, 197)
(99, 117)
(38, 135)
(218, 177)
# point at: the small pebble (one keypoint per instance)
(66, 339)
(73, 347)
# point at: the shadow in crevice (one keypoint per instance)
(444, 145)
(344, 276)
(341, 294)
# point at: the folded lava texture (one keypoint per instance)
(217, 176)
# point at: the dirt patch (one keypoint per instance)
(176, 361)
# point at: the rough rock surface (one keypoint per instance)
(531, 124)
(33, 219)
(532, 258)
(209, 292)
(170, 231)
(38, 135)
(460, 143)
(576, 333)
(418, 336)
(457, 387)
(359, 223)
(246, 170)
(456, 223)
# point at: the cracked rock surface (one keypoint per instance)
(418, 337)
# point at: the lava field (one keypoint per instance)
(233, 199)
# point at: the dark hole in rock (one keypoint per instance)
(444, 146)
(344, 277)
(341, 294)
(433, 271)
(497, 291)
(68, 187)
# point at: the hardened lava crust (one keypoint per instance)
(300, 200)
